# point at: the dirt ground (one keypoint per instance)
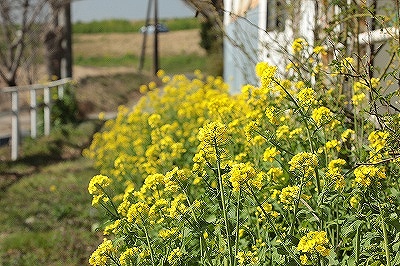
(119, 44)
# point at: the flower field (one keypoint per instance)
(295, 171)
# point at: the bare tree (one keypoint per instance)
(17, 17)
(25, 26)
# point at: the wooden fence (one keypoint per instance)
(15, 112)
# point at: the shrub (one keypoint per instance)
(277, 175)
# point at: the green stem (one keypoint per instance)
(237, 228)
(114, 260)
(318, 181)
(116, 215)
(222, 196)
(272, 225)
(358, 247)
(148, 243)
(201, 250)
(296, 206)
(303, 115)
(385, 238)
(337, 224)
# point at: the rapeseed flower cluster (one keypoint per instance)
(247, 258)
(377, 140)
(322, 115)
(103, 253)
(366, 175)
(195, 176)
(334, 174)
(270, 153)
(313, 243)
(304, 164)
(306, 98)
(174, 257)
(266, 73)
(213, 134)
(288, 195)
(299, 44)
(264, 210)
(96, 188)
(243, 175)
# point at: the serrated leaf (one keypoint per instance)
(351, 228)
(396, 260)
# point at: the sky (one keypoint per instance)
(89, 10)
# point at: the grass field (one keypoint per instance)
(46, 217)
(124, 26)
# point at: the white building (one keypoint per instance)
(263, 30)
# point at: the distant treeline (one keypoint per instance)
(122, 25)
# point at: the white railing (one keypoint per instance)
(15, 111)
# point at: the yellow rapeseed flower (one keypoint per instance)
(322, 115)
(319, 50)
(214, 133)
(304, 163)
(126, 257)
(314, 241)
(358, 99)
(270, 153)
(175, 256)
(96, 188)
(375, 82)
(377, 139)
(366, 175)
(100, 256)
(167, 233)
(282, 132)
(306, 97)
(244, 174)
(347, 64)
(354, 201)
(347, 134)
(246, 258)
(332, 144)
(334, 173)
(298, 45)
(288, 195)
(266, 73)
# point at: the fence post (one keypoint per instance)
(15, 131)
(60, 91)
(33, 112)
(46, 110)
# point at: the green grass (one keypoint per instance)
(124, 26)
(171, 64)
(107, 61)
(46, 217)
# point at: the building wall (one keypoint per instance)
(241, 50)
(248, 40)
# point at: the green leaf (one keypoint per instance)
(396, 260)
(350, 229)
(332, 258)
(281, 250)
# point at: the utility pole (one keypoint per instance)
(155, 36)
(142, 55)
